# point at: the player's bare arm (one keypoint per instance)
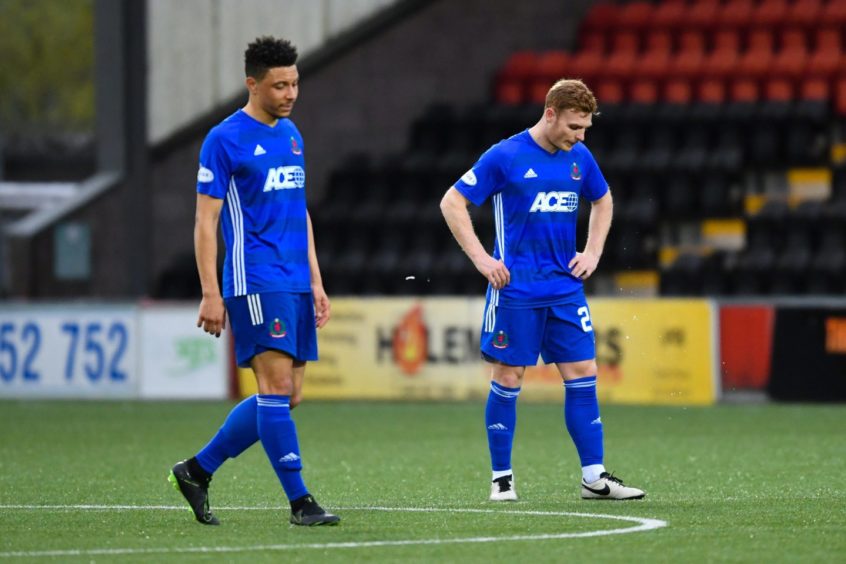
(322, 308)
(212, 316)
(584, 264)
(454, 208)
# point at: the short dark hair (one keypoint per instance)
(267, 52)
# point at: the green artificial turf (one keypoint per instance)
(755, 483)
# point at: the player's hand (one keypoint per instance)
(212, 315)
(494, 270)
(322, 308)
(583, 265)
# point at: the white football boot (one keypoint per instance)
(609, 487)
(502, 489)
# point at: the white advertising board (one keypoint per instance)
(178, 360)
(68, 350)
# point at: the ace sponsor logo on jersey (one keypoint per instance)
(555, 202)
(284, 178)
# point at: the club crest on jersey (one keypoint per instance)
(295, 147)
(284, 178)
(500, 340)
(575, 172)
(278, 329)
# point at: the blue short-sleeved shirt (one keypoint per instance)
(259, 172)
(535, 196)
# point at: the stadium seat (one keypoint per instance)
(771, 14)
(834, 13)
(601, 17)
(736, 15)
(592, 40)
(587, 65)
(668, 14)
(702, 14)
(722, 60)
(635, 16)
(756, 61)
(551, 66)
(805, 13)
(513, 78)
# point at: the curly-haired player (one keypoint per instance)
(252, 177)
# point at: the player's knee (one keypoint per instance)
(583, 369)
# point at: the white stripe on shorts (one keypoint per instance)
(254, 303)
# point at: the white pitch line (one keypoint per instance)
(644, 524)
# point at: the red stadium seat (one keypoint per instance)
(736, 15)
(610, 91)
(520, 65)
(761, 40)
(510, 92)
(726, 40)
(721, 64)
(702, 14)
(828, 38)
(824, 63)
(621, 65)
(644, 92)
(778, 90)
(790, 63)
(635, 16)
(771, 13)
(744, 90)
(550, 67)
(677, 91)
(592, 40)
(687, 64)
(793, 38)
(668, 14)
(834, 13)
(659, 40)
(513, 78)
(601, 17)
(625, 41)
(805, 13)
(654, 65)
(814, 89)
(691, 40)
(712, 91)
(758, 58)
(587, 65)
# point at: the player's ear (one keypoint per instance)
(549, 114)
(251, 84)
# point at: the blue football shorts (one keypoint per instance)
(558, 333)
(281, 321)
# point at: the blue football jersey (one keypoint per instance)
(535, 196)
(259, 172)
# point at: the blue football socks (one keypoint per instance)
(238, 433)
(500, 419)
(278, 436)
(581, 414)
